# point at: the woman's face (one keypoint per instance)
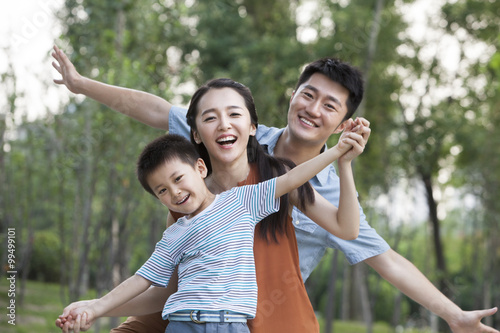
(223, 125)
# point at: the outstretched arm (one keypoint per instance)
(81, 315)
(410, 281)
(144, 107)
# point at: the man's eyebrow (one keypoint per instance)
(330, 97)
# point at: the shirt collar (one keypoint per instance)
(322, 177)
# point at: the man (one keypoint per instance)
(317, 97)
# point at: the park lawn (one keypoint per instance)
(41, 306)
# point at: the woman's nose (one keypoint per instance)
(224, 123)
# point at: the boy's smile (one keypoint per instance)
(181, 186)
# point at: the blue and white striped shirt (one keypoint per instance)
(214, 251)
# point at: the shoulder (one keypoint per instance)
(266, 135)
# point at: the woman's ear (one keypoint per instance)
(196, 137)
(253, 129)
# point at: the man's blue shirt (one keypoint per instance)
(312, 240)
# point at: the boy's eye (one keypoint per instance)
(178, 178)
(161, 191)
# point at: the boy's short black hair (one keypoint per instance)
(161, 150)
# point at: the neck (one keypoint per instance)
(296, 150)
(225, 176)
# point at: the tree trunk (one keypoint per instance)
(87, 181)
(346, 293)
(364, 299)
(372, 47)
(436, 233)
(330, 306)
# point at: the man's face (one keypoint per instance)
(317, 108)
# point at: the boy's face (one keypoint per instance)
(317, 108)
(181, 186)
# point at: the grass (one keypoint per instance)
(40, 308)
(42, 304)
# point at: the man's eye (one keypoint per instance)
(331, 107)
(308, 95)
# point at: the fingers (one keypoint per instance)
(76, 326)
(56, 66)
(362, 121)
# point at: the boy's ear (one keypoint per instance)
(201, 167)
(196, 137)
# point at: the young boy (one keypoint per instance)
(213, 243)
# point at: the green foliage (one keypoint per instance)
(45, 260)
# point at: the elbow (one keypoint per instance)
(352, 236)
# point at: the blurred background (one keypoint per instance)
(429, 180)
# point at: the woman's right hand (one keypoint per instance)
(70, 77)
(76, 317)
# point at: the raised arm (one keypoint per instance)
(341, 221)
(144, 107)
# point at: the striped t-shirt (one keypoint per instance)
(214, 251)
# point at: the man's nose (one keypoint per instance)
(313, 109)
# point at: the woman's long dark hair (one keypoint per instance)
(268, 166)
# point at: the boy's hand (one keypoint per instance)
(70, 77)
(356, 135)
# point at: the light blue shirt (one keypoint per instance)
(312, 240)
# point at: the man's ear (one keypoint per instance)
(342, 126)
(201, 167)
(196, 137)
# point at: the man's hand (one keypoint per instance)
(70, 77)
(355, 134)
(470, 322)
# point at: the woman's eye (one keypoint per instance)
(208, 119)
(235, 114)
